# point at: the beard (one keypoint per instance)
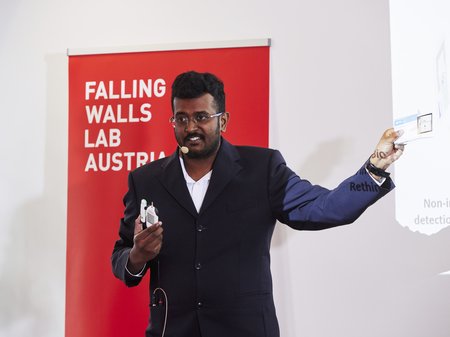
(207, 152)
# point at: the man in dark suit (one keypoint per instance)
(219, 204)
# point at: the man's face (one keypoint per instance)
(202, 138)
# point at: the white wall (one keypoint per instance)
(330, 101)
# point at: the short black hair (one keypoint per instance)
(192, 84)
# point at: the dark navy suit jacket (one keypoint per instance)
(214, 264)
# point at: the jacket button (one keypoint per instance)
(198, 266)
(199, 304)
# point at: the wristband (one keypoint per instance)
(376, 171)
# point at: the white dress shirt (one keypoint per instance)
(197, 189)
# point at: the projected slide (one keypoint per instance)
(420, 44)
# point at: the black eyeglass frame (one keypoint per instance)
(199, 119)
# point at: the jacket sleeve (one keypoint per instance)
(124, 244)
(304, 206)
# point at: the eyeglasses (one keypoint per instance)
(200, 118)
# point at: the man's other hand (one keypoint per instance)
(147, 244)
(386, 151)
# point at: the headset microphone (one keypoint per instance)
(184, 149)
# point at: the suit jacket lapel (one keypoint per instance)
(173, 180)
(225, 168)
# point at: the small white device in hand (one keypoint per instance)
(151, 217)
(142, 211)
(148, 214)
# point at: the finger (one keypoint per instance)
(152, 245)
(398, 134)
(388, 133)
(147, 231)
(391, 135)
(157, 248)
(151, 229)
(137, 226)
(146, 238)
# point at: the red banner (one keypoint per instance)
(119, 110)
